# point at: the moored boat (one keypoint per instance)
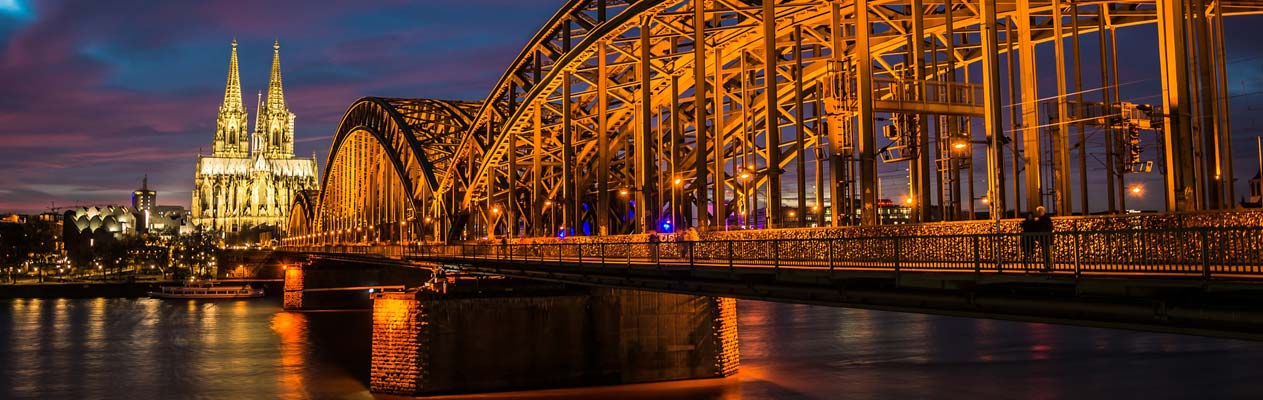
(207, 291)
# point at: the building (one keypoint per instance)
(245, 184)
(143, 201)
(1256, 192)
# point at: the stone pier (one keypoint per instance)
(329, 284)
(495, 339)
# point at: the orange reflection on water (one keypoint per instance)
(292, 329)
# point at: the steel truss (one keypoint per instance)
(630, 116)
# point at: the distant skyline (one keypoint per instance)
(91, 104)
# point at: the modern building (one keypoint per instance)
(245, 184)
(143, 201)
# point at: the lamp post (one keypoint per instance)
(676, 185)
(744, 177)
(552, 222)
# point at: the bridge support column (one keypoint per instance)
(426, 342)
(328, 284)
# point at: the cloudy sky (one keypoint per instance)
(95, 94)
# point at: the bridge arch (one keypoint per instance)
(301, 216)
(628, 116)
(380, 173)
(597, 118)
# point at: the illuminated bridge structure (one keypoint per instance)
(742, 118)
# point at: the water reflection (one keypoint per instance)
(142, 348)
(145, 348)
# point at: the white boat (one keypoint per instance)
(207, 291)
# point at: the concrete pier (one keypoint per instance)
(504, 338)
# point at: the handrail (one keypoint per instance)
(1195, 252)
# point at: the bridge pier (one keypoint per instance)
(324, 284)
(511, 335)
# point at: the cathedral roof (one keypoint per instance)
(294, 167)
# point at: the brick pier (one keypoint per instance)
(427, 343)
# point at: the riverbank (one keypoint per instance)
(82, 290)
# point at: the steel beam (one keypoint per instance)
(1032, 152)
(867, 132)
(701, 145)
(772, 115)
(991, 101)
(1176, 106)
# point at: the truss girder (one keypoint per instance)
(383, 162)
(621, 108)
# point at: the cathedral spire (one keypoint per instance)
(256, 142)
(230, 125)
(232, 91)
(276, 96)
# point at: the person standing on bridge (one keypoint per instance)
(653, 246)
(690, 236)
(1027, 239)
(1043, 230)
(504, 246)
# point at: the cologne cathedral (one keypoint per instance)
(249, 181)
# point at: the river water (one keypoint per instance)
(152, 349)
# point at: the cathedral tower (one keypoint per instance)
(274, 128)
(231, 130)
(250, 180)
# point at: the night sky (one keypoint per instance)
(96, 94)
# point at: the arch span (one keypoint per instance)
(625, 116)
(381, 169)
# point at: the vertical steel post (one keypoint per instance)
(1077, 62)
(1030, 105)
(922, 200)
(800, 134)
(570, 191)
(1176, 127)
(991, 105)
(603, 222)
(1061, 133)
(772, 115)
(719, 141)
(867, 133)
(701, 145)
(646, 209)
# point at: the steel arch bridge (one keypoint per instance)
(630, 116)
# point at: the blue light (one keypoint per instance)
(666, 227)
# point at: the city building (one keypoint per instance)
(1255, 200)
(143, 201)
(246, 184)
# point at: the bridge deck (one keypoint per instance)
(1199, 281)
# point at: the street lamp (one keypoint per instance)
(744, 177)
(1137, 190)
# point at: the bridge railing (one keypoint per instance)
(1186, 251)
(1202, 252)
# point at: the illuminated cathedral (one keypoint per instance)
(249, 180)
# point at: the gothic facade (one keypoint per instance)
(249, 180)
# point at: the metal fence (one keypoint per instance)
(1203, 252)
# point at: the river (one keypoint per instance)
(153, 349)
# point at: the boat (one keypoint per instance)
(207, 291)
